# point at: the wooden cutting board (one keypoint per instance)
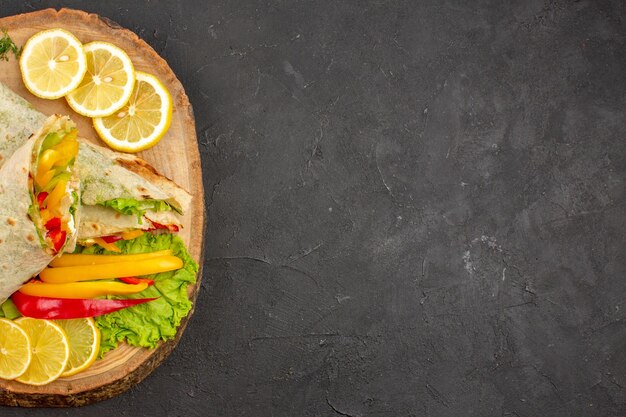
(176, 156)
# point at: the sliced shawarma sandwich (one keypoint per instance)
(120, 193)
(39, 203)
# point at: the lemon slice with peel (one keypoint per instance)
(50, 351)
(52, 63)
(14, 350)
(84, 339)
(108, 83)
(143, 121)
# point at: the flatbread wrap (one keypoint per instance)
(120, 192)
(39, 203)
(18, 121)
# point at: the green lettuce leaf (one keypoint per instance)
(136, 207)
(146, 324)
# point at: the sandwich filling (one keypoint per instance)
(53, 185)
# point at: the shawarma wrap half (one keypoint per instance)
(120, 192)
(39, 203)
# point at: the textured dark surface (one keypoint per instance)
(414, 208)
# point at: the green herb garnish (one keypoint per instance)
(7, 45)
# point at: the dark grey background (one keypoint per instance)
(414, 208)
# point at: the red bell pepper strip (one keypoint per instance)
(40, 198)
(111, 239)
(66, 308)
(53, 223)
(135, 280)
(156, 226)
(58, 238)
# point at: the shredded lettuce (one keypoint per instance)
(136, 207)
(146, 324)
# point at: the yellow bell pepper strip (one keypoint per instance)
(46, 215)
(65, 308)
(108, 271)
(107, 241)
(72, 135)
(44, 177)
(47, 160)
(69, 259)
(132, 234)
(111, 246)
(53, 201)
(66, 150)
(76, 290)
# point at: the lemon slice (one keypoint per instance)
(84, 339)
(50, 351)
(52, 63)
(108, 83)
(143, 121)
(14, 350)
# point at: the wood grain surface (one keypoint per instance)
(176, 156)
